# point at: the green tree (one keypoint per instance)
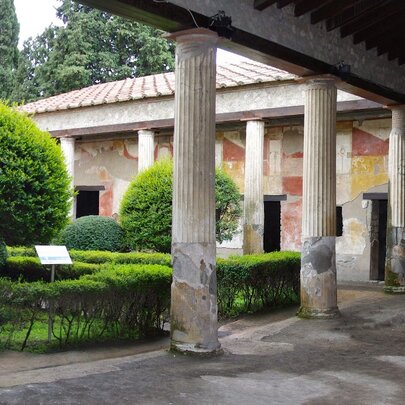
(146, 209)
(9, 30)
(35, 193)
(92, 47)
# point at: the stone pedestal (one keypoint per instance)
(395, 260)
(194, 288)
(146, 149)
(68, 149)
(253, 226)
(318, 264)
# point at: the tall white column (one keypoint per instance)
(395, 260)
(68, 149)
(146, 149)
(318, 263)
(194, 288)
(253, 226)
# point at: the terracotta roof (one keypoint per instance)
(229, 75)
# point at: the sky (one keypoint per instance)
(35, 15)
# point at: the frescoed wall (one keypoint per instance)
(361, 163)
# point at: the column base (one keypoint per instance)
(195, 350)
(315, 313)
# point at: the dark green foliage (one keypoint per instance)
(93, 233)
(3, 254)
(92, 47)
(9, 30)
(35, 190)
(125, 301)
(146, 209)
(252, 282)
(120, 258)
(30, 269)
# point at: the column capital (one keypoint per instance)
(396, 107)
(146, 132)
(193, 35)
(318, 81)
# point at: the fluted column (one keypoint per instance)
(395, 260)
(194, 288)
(253, 226)
(318, 264)
(146, 149)
(68, 149)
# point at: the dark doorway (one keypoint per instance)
(87, 203)
(272, 228)
(378, 239)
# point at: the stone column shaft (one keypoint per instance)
(253, 199)
(146, 149)
(68, 149)
(194, 291)
(395, 261)
(318, 263)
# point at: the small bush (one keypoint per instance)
(93, 233)
(146, 209)
(3, 254)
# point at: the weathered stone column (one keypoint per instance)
(146, 149)
(253, 226)
(395, 260)
(68, 149)
(318, 265)
(194, 289)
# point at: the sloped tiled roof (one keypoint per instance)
(228, 75)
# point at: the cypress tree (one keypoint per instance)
(9, 31)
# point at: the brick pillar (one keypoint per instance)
(68, 149)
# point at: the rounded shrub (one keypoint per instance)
(146, 209)
(35, 193)
(93, 233)
(3, 254)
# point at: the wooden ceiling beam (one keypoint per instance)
(352, 14)
(305, 6)
(330, 9)
(284, 3)
(375, 32)
(263, 4)
(371, 18)
(393, 34)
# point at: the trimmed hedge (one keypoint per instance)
(93, 233)
(30, 269)
(252, 282)
(124, 301)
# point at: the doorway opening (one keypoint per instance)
(272, 222)
(88, 200)
(378, 236)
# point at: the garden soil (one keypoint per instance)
(274, 358)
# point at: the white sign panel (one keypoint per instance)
(53, 254)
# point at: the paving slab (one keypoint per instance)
(276, 358)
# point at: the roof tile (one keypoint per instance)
(229, 75)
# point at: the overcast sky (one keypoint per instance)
(35, 15)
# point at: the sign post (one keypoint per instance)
(52, 255)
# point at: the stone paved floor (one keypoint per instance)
(269, 359)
